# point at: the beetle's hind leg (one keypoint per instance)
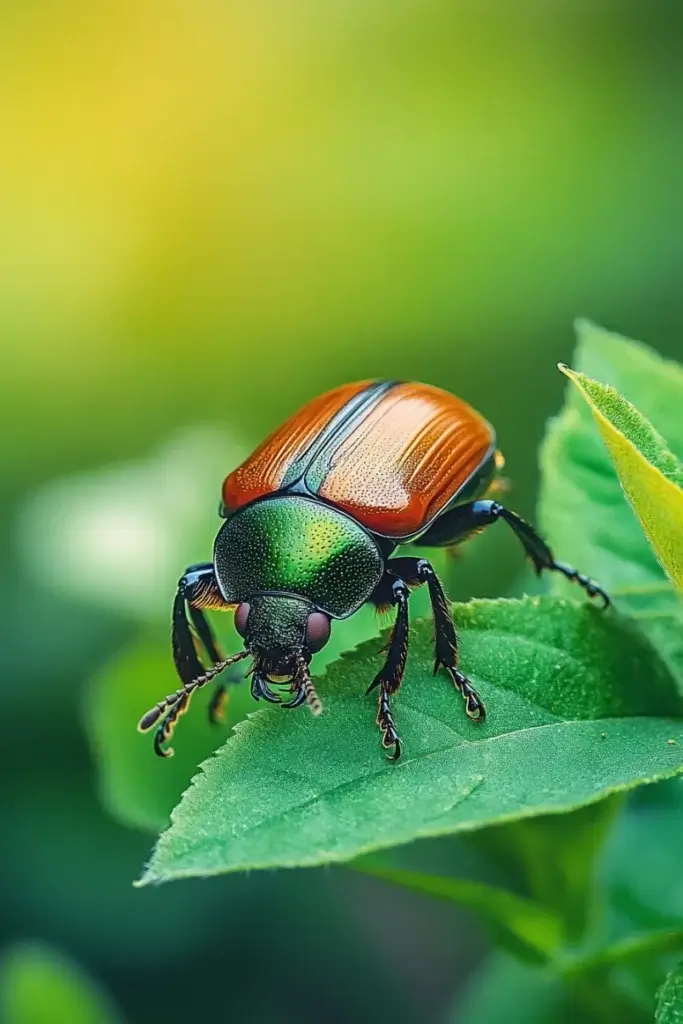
(391, 590)
(465, 520)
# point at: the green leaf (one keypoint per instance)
(645, 902)
(138, 788)
(670, 998)
(638, 372)
(39, 986)
(580, 706)
(650, 474)
(582, 509)
(632, 949)
(526, 929)
(553, 858)
(506, 991)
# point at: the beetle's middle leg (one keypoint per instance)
(391, 590)
(415, 571)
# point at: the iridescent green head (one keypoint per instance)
(291, 564)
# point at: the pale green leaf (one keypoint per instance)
(670, 998)
(579, 706)
(582, 509)
(649, 473)
(39, 986)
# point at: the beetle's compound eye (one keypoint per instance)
(241, 616)
(317, 631)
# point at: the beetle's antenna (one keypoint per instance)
(308, 686)
(155, 713)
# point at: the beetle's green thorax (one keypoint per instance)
(296, 545)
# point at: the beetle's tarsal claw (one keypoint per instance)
(396, 753)
(297, 700)
(474, 705)
(592, 588)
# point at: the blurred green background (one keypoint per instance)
(210, 213)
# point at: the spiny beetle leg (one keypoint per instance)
(592, 588)
(465, 520)
(446, 643)
(417, 571)
(389, 677)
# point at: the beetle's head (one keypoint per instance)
(281, 632)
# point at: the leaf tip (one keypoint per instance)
(568, 372)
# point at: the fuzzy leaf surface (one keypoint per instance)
(579, 706)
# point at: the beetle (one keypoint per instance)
(312, 519)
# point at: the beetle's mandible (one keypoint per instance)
(312, 519)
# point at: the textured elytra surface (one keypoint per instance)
(266, 468)
(287, 789)
(391, 454)
(411, 454)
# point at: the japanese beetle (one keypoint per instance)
(311, 521)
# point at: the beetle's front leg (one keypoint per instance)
(388, 679)
(197, 590)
